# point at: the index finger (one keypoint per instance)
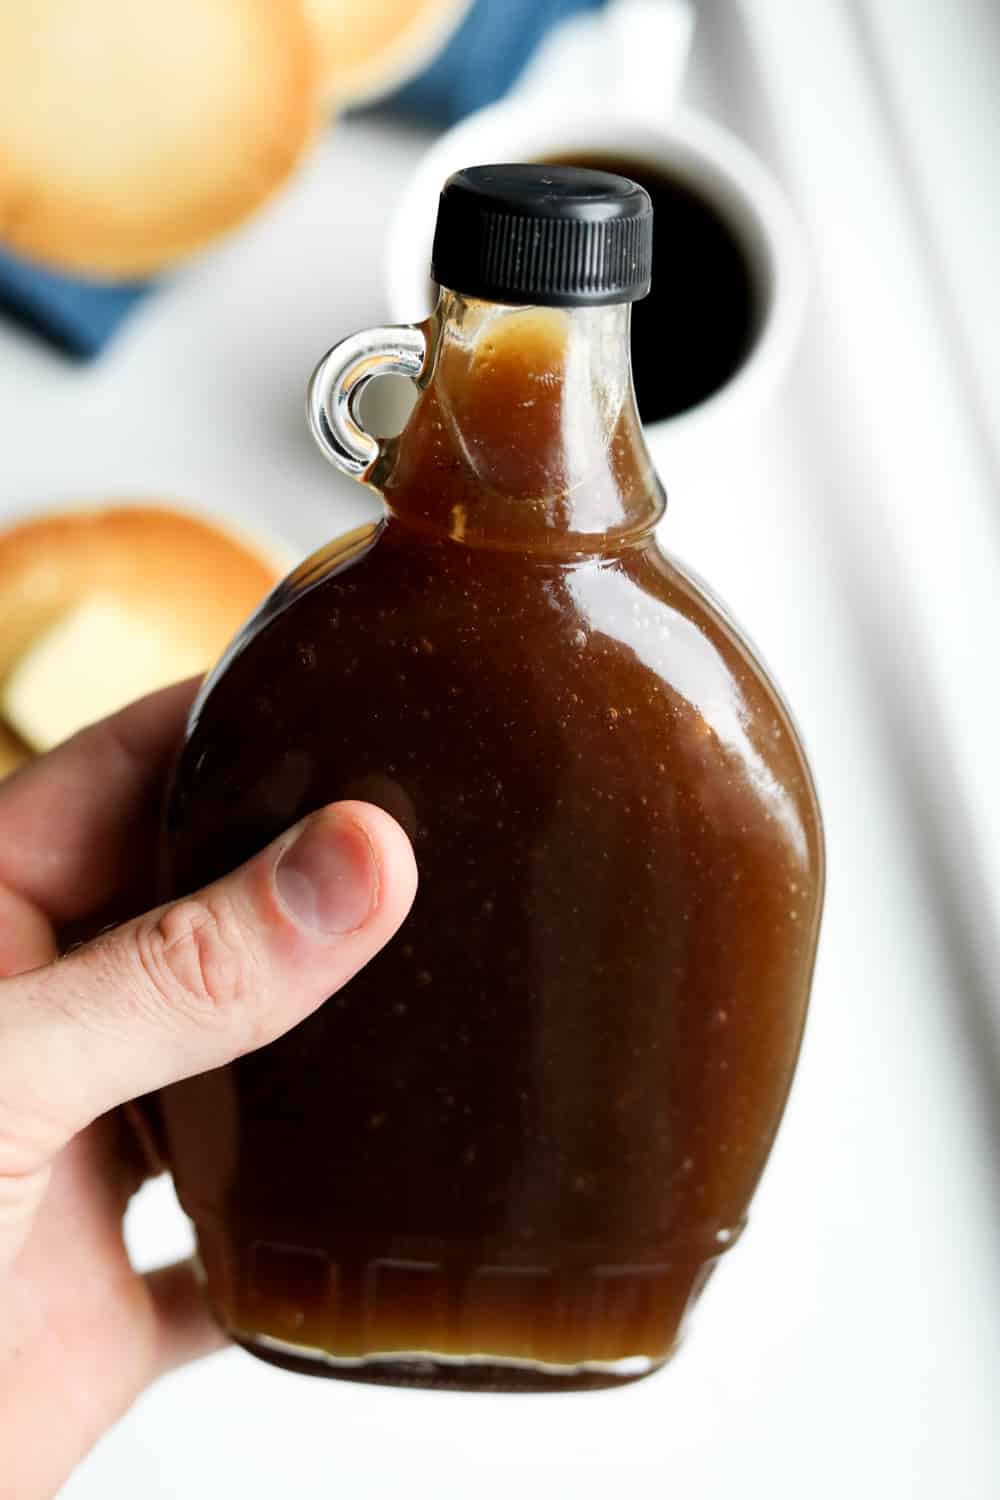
(73, 823)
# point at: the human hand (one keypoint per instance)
(182, 989)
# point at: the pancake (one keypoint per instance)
(368, 49)
(162, 592)
(131, 133)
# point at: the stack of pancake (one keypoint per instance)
(132, 134)
(100, 606)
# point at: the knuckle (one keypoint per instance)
(194, 958)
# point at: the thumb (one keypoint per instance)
(192, 985)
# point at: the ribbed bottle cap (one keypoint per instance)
(547, 235)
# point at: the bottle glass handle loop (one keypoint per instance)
(337, 384)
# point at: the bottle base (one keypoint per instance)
(347, 1313)
(426, 1370)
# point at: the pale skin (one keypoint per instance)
(177, 991)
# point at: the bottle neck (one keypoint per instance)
(525, 433)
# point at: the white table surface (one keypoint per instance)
(850, 1345)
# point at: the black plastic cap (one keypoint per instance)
(545, 235)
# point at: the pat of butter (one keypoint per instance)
(95, 658)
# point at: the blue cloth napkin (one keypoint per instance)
(477, 66)
(482, 60)
(75, 315)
